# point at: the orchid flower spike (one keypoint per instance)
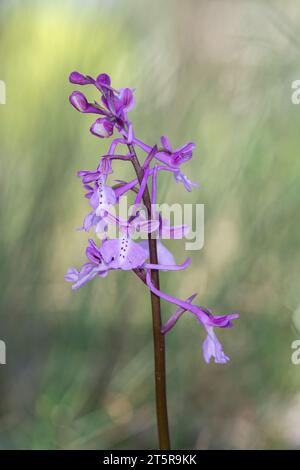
(125, 252)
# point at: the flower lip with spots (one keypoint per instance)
(125, 253)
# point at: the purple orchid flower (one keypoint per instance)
(115, 104)
(211, 346)
(95, 267)
(119, 104)
(104, 168)
(79, 79)
(174, 158)
(101, 198)
(81, 104)
(124, 253)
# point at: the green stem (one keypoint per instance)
(158, 337)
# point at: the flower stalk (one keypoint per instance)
(158, 337)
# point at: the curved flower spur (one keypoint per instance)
(146, 257)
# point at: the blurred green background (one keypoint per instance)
(79, 372)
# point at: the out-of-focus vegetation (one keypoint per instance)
(79, 370)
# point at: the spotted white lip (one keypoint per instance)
(124, 244)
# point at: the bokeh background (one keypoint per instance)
(79, 372)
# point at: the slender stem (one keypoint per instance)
(158, 337)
